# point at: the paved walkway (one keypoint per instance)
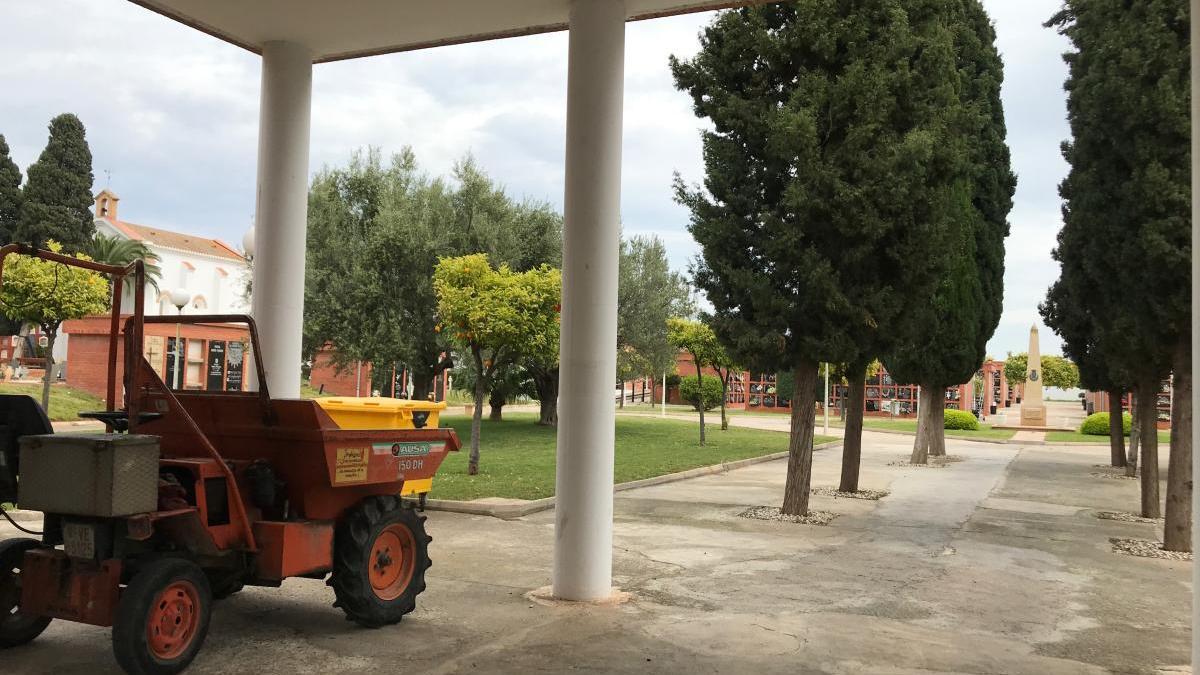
(1029, 436)
(994, 564)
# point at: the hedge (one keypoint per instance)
(1096, 424)
(688, 388)
(960, 420)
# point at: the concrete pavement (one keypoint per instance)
(994, 564)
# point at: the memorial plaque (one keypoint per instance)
(234, 361)
(216, 365)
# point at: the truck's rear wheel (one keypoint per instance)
(15, 628)
(380, 555)
(162, 618)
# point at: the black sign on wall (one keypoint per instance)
(235, 358)
(216, 365)
(170, 370)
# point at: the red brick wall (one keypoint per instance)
(87, 349)
(87, 363)
(348, 382)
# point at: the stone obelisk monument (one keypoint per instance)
(1033, 410)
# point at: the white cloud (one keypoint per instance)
(173, 114)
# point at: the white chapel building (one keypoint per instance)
(212, 272)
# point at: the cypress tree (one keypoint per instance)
(1127, 215)
(10, 193)
(835, 149)
(58, 196)
(943, 342)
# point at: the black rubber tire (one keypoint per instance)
(352, 543)
(130, 645)
(16, 629)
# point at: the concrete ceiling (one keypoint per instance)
(346, 29)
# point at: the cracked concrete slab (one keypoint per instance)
(994, 564)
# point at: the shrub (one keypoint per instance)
(688, 389)
(1097, 424)
(960, 420)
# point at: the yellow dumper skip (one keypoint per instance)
(378, 412)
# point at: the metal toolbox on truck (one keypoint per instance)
(100, 475)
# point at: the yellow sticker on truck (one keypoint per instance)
(351, 465)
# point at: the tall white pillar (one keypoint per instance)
(1195, 30)
(281, 213)
(588, 356)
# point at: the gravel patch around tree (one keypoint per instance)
(1109, 474)
(775, 513)
(862, 493)
(1145, 548)
(934, 462)
(1125, 517)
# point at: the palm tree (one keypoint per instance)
(118, 251)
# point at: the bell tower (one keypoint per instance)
(106, 204)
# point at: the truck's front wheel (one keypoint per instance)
(380, 555)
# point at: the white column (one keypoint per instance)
(281, 214)
(584, 487)
(1195, 18)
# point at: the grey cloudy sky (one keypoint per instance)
(173, 115)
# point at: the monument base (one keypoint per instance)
(1033, 416)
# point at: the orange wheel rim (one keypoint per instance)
(392, 561)
(171, 624)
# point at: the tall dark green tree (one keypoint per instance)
(1127, 215)
(943, 341)
(10, 194)
(57, 198)
(1071, 309)
(833, 153)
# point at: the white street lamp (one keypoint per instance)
(180, 298)
(248, 242)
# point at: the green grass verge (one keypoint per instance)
(910, 426)
(65, 403)
(517, 456)
(1164, 436)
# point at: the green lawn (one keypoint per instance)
(517, 456)
(1164, 436)
(65, 403)
(910, 426)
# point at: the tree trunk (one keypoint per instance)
(1177, 531)
(51, 336)
(477, 415)
(800, 441)
(852, 443)
(496, 401)
(700, 399)
(1116, 428)
(936, 422)
(724, 394)
(1135, 437)
(1148, 412)
(921, 444)
(622, 406)
(422, 383)
(546, 384)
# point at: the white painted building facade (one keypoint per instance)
(212, 272)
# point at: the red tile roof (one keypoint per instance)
(176, 240)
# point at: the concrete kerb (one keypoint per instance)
(515, 509)
(997, 441)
